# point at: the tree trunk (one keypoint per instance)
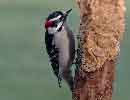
(101, 29)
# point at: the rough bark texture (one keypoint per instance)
(95, 85)
(101, 28)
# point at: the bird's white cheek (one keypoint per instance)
(51, 30)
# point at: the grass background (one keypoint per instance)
(24, 73)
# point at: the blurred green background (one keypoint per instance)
(24, 73)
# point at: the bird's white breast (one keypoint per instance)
(62, 43)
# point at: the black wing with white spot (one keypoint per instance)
(52, 52)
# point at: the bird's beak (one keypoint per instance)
(66, 14)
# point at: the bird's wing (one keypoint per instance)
(52, 52)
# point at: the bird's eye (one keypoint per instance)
(61, 18)
(58, 20)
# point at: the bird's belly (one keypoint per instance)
(62, 42)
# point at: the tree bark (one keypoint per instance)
(101, 29)
(95, 85)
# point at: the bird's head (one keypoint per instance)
(56, 20)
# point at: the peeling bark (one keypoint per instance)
(101, 29)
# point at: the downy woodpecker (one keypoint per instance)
(60, 45)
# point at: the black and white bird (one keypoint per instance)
(60, 45)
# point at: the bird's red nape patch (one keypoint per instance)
(47, 24)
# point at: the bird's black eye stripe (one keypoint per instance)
(61, 18)
(56, 22)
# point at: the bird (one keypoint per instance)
(60, 46)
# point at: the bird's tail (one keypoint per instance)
(59, 82)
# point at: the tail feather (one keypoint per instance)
(59, 82)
